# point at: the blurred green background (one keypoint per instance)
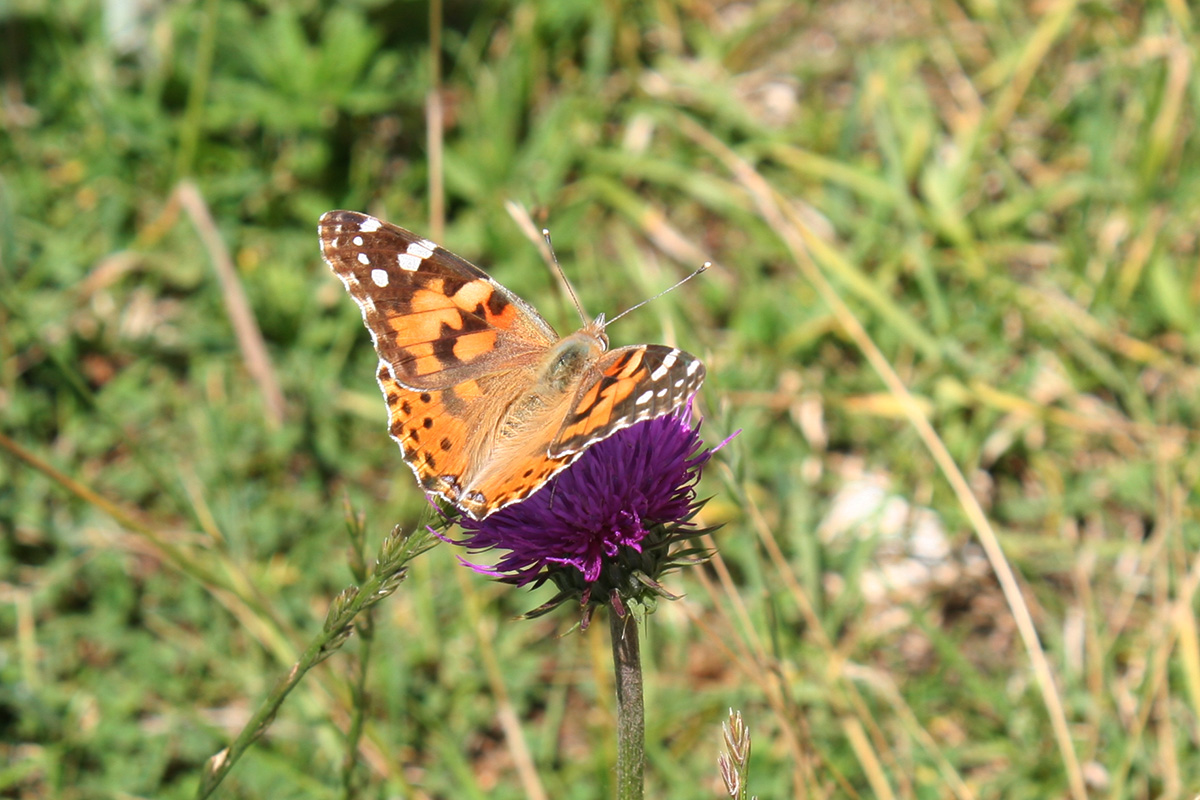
(1002, 198)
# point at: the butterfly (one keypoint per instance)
(486, 401)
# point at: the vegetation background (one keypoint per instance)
(982, 215)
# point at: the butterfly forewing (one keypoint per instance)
(435, 318)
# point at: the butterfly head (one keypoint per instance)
(596, 329)
(567, 361)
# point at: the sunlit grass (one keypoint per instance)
(1002, 202)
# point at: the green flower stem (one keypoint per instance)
(631, 720)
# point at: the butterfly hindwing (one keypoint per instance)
(432, 440)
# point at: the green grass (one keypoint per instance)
(1002, 196)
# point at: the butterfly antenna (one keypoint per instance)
(563, 277)
(700, 269)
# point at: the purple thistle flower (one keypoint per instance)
(603, 528)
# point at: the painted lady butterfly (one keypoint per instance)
(486, 401)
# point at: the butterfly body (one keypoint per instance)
(486, 401)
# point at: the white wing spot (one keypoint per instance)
(663, 368)
(693, 368)
(358, 240)
(679, 383)
(370, 225)
(380, 277)
(362, 258)
(421, 249)
(408, 263)
(644, 397)
(662, 392)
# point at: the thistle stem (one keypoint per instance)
(631, 722)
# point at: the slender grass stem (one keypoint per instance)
(193, 121)
(352, 779)
(391, 568)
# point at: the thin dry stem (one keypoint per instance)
(241, 315)
(798, 238)
(755, 661)
(435, 126)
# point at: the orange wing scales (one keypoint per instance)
(634, 384)
(486, 401)
(431, 441)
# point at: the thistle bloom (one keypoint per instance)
(604, 527)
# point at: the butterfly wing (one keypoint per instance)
(436, 319)
(456, 348)
(623, 387)
(458, 351)
(434, 440)
(627, 386)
